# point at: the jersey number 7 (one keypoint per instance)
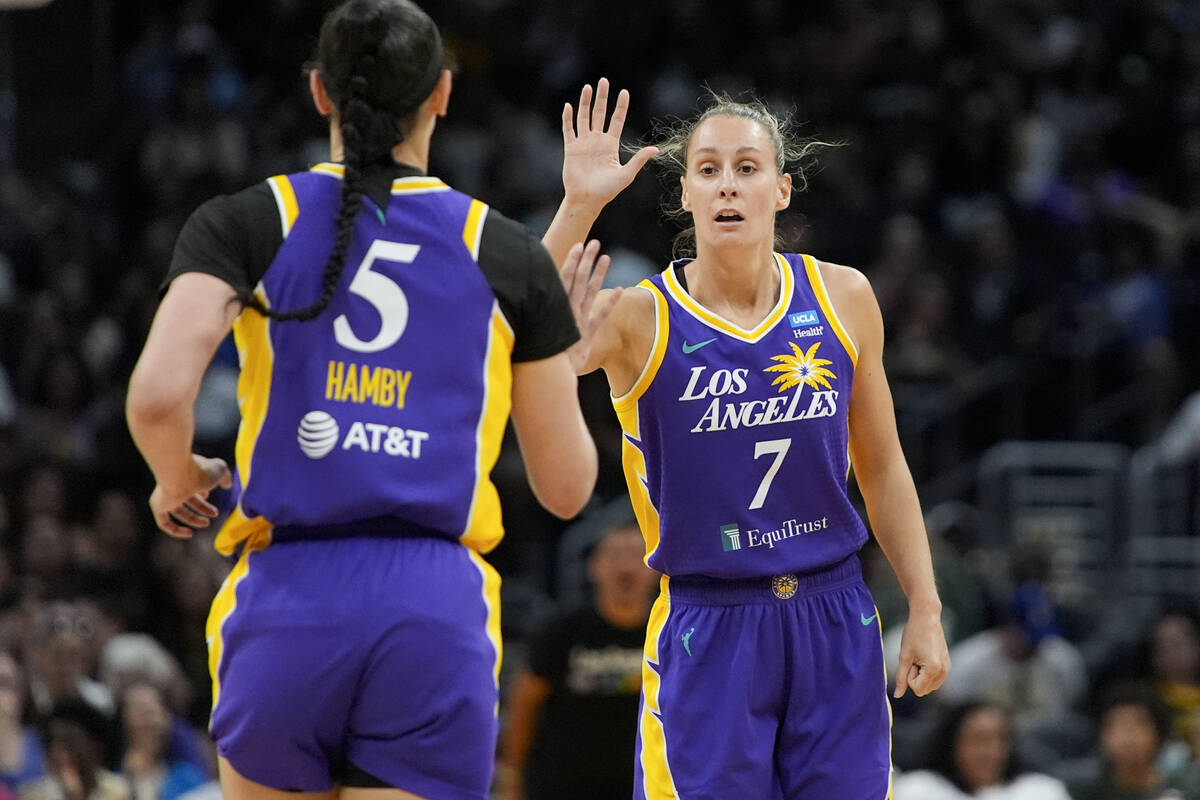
(779, 447)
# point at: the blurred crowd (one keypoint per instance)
(1018, 178)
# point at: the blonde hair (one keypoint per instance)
(794, 155)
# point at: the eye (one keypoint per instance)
(747, 168)
(707, 169)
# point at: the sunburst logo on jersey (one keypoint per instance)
(801, 368)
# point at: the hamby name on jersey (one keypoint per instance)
(360, 383)
(799, 370)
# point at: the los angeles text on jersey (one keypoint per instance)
(722, 412)
(360, 383)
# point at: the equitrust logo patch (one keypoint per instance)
(731, 537)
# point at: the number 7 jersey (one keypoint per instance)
(386, 412)
(736, 441)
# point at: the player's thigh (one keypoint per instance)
(836, 736)
(709, 716)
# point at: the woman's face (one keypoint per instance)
(732, 187)
(981, 748)
(1176, 650)
(1128, 736)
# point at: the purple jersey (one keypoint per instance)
(390, 406)
(736, 441)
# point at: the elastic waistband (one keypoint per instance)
(377, 527)
(704, 590)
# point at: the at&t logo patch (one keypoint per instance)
(318, 434)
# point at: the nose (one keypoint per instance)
(728, 185)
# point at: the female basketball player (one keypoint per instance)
(746, 381)
(386, 326)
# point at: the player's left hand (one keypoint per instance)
(924, 657)
(179, 510)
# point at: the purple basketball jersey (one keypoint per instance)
(736, 440)
(391, 404)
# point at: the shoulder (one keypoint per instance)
(849, 289)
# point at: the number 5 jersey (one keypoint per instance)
(385, 413)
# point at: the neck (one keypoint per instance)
(414, 150)
(735, 283)
(623, 612)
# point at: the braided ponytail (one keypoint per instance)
(366, 54)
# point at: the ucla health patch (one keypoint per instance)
(803, 318)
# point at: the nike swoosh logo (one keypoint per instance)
(688, 349)
(868, 620)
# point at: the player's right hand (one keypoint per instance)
(179, 510)
(592, 170)
(582, 276)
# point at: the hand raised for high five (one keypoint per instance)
(592, 170)
(591, 304)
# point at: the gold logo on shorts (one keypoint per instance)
(784, 586)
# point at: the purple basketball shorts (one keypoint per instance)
(338, 657)
(769, 688)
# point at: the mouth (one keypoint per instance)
(728, 217)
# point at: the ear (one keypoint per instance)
(684, 200)
(785, 193)
(321, 99)
(439, 99)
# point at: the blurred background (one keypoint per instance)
(1020, 180)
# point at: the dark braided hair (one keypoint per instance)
(379, 59)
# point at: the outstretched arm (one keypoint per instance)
(592, 170)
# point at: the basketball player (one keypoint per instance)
(386, 325)
(746, 381)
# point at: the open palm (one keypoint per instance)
(592, 170)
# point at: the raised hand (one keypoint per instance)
(582, 276)
(592, 170)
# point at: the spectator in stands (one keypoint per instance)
(62, 653)
(146, 760)
(972, 755)
(22, 757)
(130, 659)
(74, 739)
(1134, 724)
(1026, 666)
(572, 716)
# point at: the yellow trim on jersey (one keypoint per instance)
(717, 322)
(886, 702)
(662, 326)
(657, 781)
(633, 464)
(418, 184)
(817, 282)
(485, 527)
(223, 606)
(330, 168)
(285, 199)
(491, 598)
(252, 334)
(473, 229)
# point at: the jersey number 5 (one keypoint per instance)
(384, 296)
(779, 447)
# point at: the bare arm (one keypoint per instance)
(559, 454)
(192, 320)
(887, 485)
(528, 696)
(592, 176)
